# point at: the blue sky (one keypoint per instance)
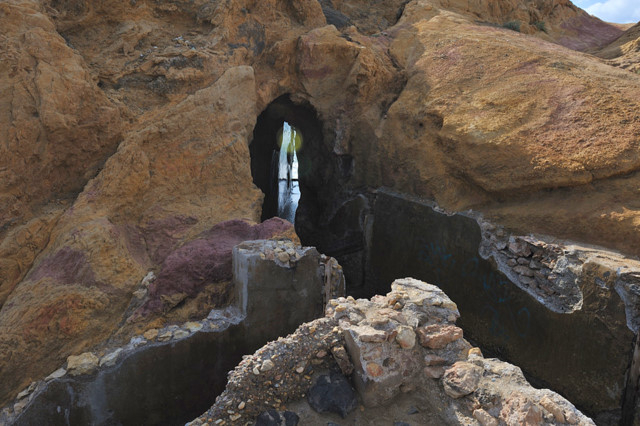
(620, 11)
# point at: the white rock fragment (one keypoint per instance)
(110, 359)
(60, 372)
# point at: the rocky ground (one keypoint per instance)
(396, 359)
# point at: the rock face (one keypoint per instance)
(468, 389)
(624, 52)
(126, 130)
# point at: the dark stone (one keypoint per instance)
(333, 16)
(277, 418)
(332, 393)
(413, 410)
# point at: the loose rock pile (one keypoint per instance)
(403, 343)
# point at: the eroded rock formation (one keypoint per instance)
(398, 350)
(126, 129)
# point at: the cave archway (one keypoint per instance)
(301, 130)
(330, 215)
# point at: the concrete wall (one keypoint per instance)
(175, 376)
(583, 355)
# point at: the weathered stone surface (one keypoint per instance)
(517, 410)
(461, 379)
(110, 359)
(406, 337)
(437, 336)
(85, 363)
(267, 290)
(125, 133)
(332, 393)
(484, 418)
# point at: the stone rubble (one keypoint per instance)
(404, 342)
(554, 273)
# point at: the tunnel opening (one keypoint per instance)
(281, 152)
(308, 183)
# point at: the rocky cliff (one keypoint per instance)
(126, 131)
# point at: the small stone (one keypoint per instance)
(256, 371)
(406, 337)
(193, 326)
(165, 335)
(437, 336)
(321, 354)
(332, 393)
(374, 369)
(553, 408)
(300, 370)
(60, 372)
(484, 418)
(28, 390)
(241, 405)
(180, 334)
(523, 261)
(341, 308)
(475, 351)
(519, 247)
(19, 406)
(412, 410)
(523, 270)
(82, 364)
(282, 257)
(267, 365)
(461, 379)
(151, 334)
(109, 360)
(571, 417)
(234, 417)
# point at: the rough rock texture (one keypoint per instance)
(63, 307)
(125, 132)
(624, 52)
(469, 388)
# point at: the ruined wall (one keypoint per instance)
(583, 349)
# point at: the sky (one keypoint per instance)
(618, 11)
